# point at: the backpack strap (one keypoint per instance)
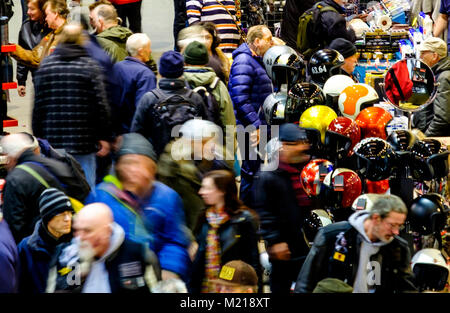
(214, 83)
(33, 173)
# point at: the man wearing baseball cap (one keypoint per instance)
(434, 119)
(236, 277)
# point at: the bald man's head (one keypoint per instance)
(71, 34)
(93, 225)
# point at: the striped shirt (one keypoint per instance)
(213, 11)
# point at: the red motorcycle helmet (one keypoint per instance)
(347, 127)
(341, 187)
(373, 122)
(313, 175)
(378, 187)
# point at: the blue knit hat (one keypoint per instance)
(171, 64)
(290, 132)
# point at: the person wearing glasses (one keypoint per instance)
(364, 252)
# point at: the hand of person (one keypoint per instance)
(279, 251)
(21, 90)
(165, 275)
(104, 148)
(192, 250)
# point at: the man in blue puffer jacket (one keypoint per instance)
(249, 85)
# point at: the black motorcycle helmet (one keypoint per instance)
(428, 214)
(289, 68)
(429, 160)
(375, 158)
(301, 97)
(402, 140)
(324, 64)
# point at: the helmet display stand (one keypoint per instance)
(6, 73)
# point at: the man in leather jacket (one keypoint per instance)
(365, 252)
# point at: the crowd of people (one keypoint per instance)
(142, 177)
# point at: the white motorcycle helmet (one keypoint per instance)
(273, 107)
(364, 202)
(336, 84)
(430, 269)
(355, 98)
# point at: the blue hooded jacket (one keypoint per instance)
(159, 221)
(249, 86)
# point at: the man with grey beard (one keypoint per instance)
(101, 260)
(364, 252)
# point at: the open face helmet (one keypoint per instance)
(274, 108)
(316, 219)
(373, 122)
(402, 140)
(355, 98)
(301, 97)
(428, 214)
(318, 117)
(341, 187)
(349, 135)
(288, 69)
(324, 64)
(430, 270)
(374, 158)
(313, 174)
(333, 88)
(271, 56)
(364, 202)
(429, 160)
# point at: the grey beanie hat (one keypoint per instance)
(134, 143)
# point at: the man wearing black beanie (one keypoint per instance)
(36, 251)
(348, 51)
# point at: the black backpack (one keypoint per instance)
(212, 106)
(173, 110)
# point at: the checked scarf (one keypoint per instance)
(213, 250)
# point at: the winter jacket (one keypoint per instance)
(185, 175)
(126, 267)
(336, 253)
(238, 241)
(212, 11)
(22, 191)
(9, 260)
(30, 35)
(434, 119)
(281, 216)
(333, 25)
(36, 252)
(180, 19)
(292, 11)
(71, 110)
(146, 121)
(158, 221)
(249, 86)
(113, 40)
(205, 76)
(32, 58)
(133, 79)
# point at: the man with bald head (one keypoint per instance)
(101, 260)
